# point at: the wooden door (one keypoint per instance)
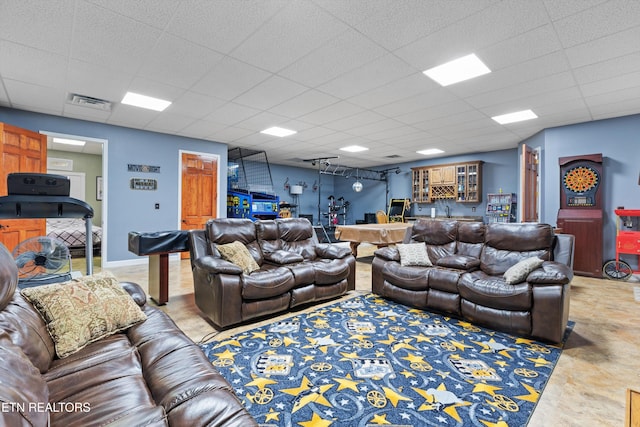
(529, 178)
(199, 190)
(21, 150)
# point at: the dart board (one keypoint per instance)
(580, 183)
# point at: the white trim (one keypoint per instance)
(142, 260)
(105, 177)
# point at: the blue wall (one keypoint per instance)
(618, 140)
(130, 210)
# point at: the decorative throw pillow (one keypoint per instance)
(84, 310)
(414, 254)
(519, 272)
(238, 254)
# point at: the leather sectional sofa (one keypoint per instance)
(467, 277)
(292, 268)
(150, 374)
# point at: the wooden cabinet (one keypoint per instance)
(459, 182)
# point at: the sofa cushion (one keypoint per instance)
(84, 310)
(413, 254)
(519, 272)
(459, 262)
(330, 271)
(494, 292)
(412, 277)
(238, 254)
(269, 283)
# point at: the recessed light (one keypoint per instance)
(354, 148)
(277, 131)
(144, 101)
(518, 116)
(430, 151)
(69, 141)
(458, 70)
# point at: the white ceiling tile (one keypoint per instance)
(607, 47)
(613, 84)
(273, 91)
(406, 21)
(126, 115)
(44, 25)
(196, 105)
(312, 133)
(417, 118)
(175, 62)
(230, 134)
(561, 9)
(155, 13)
(355, 120)
(262, 121)
(154, 89)
(420, 101)
(21, 94)
(97, 81)
(599, 21)
(169, 122)
(85, 113)
(272, 46)
(331, 113)
(304, 103)
(396, 90)
(230, 78)
(222, 25)
(608, 68)
(370, 76)
(202, 129)
(231, 113)
(339, 55)
(106, 38)
(376, 127)
(29, 65)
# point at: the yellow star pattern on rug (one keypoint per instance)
(393, 396)
(539, 361)
(348, 383)
(316, 421)
(533, 395)
(370, 361)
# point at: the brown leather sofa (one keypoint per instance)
(294, 269)
(466, 279)
(149, 375)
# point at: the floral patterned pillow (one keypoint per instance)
(83, 310)
(238, 254)
(519, 272)
(414, 254)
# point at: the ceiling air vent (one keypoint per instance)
(392, 156)
(87, 101)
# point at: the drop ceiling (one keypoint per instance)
(338, 72)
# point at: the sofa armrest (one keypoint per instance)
(459, 262)
(551, 273)
(388, 253)
(217, 265)
(282, 257)
(136, 292)
(326, 250)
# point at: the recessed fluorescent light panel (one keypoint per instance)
(277, 131)
(354, 148)
(144, 101)
(518, 116)
(69, 141)
(458, 70)
(430, 151)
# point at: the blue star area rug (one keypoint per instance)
(367, 361)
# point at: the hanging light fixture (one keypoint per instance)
(357, 186)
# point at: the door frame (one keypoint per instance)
(105, 182)
(538, 151)
(222, 209)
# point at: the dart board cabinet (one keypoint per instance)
(581, 211)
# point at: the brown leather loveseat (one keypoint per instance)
(291, 268)
(150, 374)
(467, 279)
